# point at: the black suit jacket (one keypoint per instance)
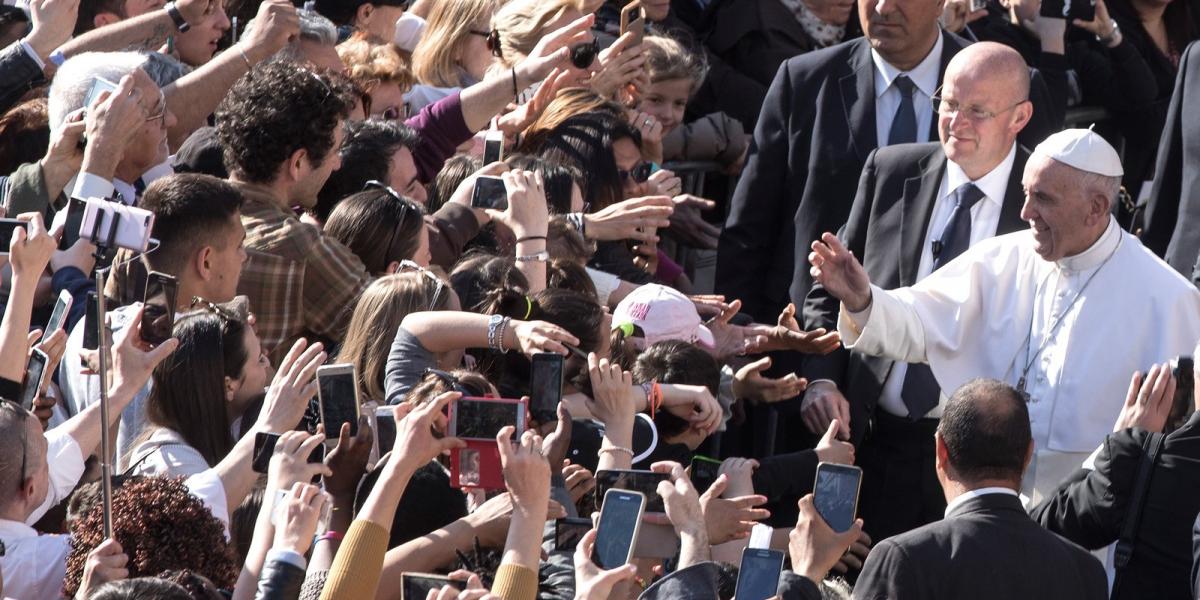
(1173, 215)
(1090, 509)
(815, 132)
(986, 548)
(886, 230)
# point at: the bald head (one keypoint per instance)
(985, 429)
(984, 105)
(991, 62)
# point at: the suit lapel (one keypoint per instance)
(858, 100)
(1014, 196)
(920, 195)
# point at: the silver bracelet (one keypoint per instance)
(542, 256)
(500, 337)
(494, 324)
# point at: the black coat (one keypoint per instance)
(1091, 507)
(986, 548)
(886, 230)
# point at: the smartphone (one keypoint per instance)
(493, 147)
(99, 86)
(34, 373)
(416, 586)
(617, 531)
(385, 428)
(1084, 10)
(112, 224)
(568, 532)
(703, 472)
(59, 315)
(835, 494)
(7, 228)
(545, 386)
(1183, 404)
(758, 577)
(72, 224)
(264, 447)
(633, 19)
(643, 482)
(977, 5)
(158, 312)
(489, 192)
(337, 392)
(91, 316)
(482, 418)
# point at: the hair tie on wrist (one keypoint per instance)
(528, 308)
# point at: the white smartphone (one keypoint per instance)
(493, 147)
(337, 392)
(133, 225)
(59, 315)
(617, 531)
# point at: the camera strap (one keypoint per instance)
(1151, 446)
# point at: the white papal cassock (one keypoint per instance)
(989, 312)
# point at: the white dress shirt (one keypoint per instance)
(34, 566)
(985, 217)
(887, 97)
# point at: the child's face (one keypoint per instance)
(666, 101)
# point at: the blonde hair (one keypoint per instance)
(377, 316)
(522, 24)
(436, 59)
(369, 60)
(568, 103)
(667, 59)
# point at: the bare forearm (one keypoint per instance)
(84, 427)
(196, 95)
(523, 546)
(533, 270)
(693, 546)
(144, 32)
(380, 507)
(14, 331)
(487, 98)
(619, 435)
(260, 544)
(236, 474)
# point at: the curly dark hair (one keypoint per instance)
(275, 109)
(161, 527)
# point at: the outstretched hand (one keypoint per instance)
(1148, 403)
(835, 267)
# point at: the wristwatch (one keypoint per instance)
(180, 23)
(1106, 40)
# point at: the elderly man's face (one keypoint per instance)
(1057, 208)
(148, 147)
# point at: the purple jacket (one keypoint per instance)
(442, 130)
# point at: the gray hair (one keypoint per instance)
(164, 69)
(1109, 187)
(75, 77)
(15, 445)
(313, 28)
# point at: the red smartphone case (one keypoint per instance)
(485, 472)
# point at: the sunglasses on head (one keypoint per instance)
(639, 173)
(408, 266)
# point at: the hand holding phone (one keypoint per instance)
(758, 576)
(158, 308)
(835, 494)
(337, 392)
(7, 228)
(617, 530)
(545, 386)
(489, 192)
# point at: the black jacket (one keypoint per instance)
(986, 548)
(886, 230)
(1091, 507)
(279, 581)
(18, 74)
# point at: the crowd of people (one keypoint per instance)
(760, 242)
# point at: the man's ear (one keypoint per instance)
(203, 263)
(297, 164)
(362, 17)
(941, 454)
(105, 18)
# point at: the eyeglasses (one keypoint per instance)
(375, 184)
(977, 114)
(492, 39)
(24, 414)
(161, 117)
(408, 266)
(639, 173)
(224, 313)
(395, 113)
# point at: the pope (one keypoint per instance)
(1065, 311)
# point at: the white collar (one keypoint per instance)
(1095, 255)
(994, 185)
(127, 191)
(962, 498)
(924, 75)
(15, 530)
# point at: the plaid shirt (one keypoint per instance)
(300, 283)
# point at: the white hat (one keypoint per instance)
(662, 313)
(1084, 150)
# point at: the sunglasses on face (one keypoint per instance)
(639, 173)
(492, 39)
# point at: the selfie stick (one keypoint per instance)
(102, 247)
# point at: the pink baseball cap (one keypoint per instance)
(660, 313)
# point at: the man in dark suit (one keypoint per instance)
(1092, 507)
(902, 226)
(1172, 228)
(987, 546)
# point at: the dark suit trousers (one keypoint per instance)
(900, 489)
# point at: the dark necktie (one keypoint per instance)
(904, 123)
(921, 391)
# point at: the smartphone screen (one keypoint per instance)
(339, 399)
(835, 494)
(618, 527)
(489, 192)
(7, 227)
(158, 313)
(99, 86)
(33, 378)
(545, 386)
(91, 332)
(568, 532)
(70, 232)
(385, 428)
(416, 586)
(758, 577)
(476, 419)
(264, 447)
(643, 482)
(493, 148)
(703, 472)
(59, 314)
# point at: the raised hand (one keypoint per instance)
(526, 214)
(832, 450)
(415, 441)
(620, 64)
(347, 462)
(814, 546)
(539, 336)
(553, 50)
(634, 219)
(1149, 400)
(296, 517)
(592, 583)
(823, 404)
(289, 463)
(750, 384)
(276, 23)
(30, 250)
(787, 335)
(53, 23)
(729, 519)
(526, 470)
(106, 562)
(689, 226)
(662, 182)
(612, 391)
(835, 268)
(293, 386)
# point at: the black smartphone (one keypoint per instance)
(545, 386)
(158, 312)
(617, 531)
(337, 391)
(568, 532)
(7, 227)
(643, 482)
(758, 577)
(59, 315)
(482, 419)
(91, 316)
(70, 232)
(1184, 404)
(583, 55)
(489, 192)
(264, 447)
(34, 373)
(385, 428)
(703, 472)
(1084, 10)
(416, 586)
(835, 494)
